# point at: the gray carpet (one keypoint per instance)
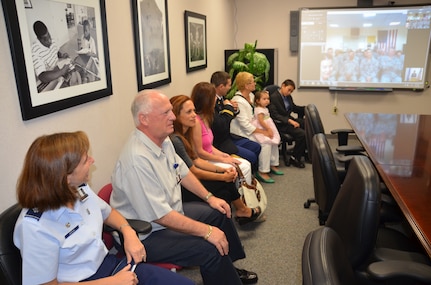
(274, 247)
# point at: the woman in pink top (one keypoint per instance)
(204, 98)
(207, 136)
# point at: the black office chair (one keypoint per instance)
(10, 256)
(355, 213)
(286, 140)
(325, 261)
(327, 180)
(354, 219)
(271, 88)
(326, 177)
(313, 125)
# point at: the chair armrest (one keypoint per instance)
(287, 138)
(386, 270)
(344, 159)
(277, 122)
(342, 134)
(140, 227)
(350, 149)
(389, 254)
(347, 131)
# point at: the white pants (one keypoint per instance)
(269, 156)
(245, 167)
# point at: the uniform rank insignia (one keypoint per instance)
(82, 195)
(34, 213)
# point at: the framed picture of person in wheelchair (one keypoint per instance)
(60, 53)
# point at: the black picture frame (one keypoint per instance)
(195, 26)
(91, 71)
(151, 33)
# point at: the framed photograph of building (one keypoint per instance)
(196, 40)
(60, 53)
(150, 22)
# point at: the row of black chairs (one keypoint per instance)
(329, 167)
(354, 246)
(344, 251)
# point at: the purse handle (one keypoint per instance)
(242, 180)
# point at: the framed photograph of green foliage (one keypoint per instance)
(196, 40)
(60, 53)
(151, 33)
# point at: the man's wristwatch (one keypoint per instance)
(208, 196)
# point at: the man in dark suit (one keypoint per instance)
(225, 111)
(281, 109)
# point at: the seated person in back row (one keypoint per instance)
(46, 59)
(281, 109)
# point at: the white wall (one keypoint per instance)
(106, 121)
(269, 24)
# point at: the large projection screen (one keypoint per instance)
(378, 48)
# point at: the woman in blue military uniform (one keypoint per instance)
(59, 231)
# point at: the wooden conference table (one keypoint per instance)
(399, 145)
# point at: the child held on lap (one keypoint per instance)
(263, 121)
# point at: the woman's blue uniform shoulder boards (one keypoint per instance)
(33, 213)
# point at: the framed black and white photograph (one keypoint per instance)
(151, 33)
(60, 53)
(196, 40)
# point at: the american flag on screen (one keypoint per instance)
(387, 39)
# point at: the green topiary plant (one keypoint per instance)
(248, 59)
